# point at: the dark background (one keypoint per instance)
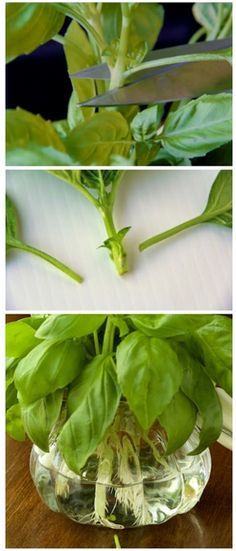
(39, 82)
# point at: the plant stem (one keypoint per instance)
(107, 346)
(118, 253)
(170, 233)
(226, 28)
(117, 72)
(58, 38)
(14, 244)
(96, 343)
(115, 187)
(198, 34)
(117, 542)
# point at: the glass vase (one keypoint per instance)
(127, 482)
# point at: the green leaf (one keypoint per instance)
(79, 55)
(149, 374)
(20, 339)
(40, 417)
(213, 16)
(11, 219)
(178, 420)
(11, 394)
(29, 25)
(222, 156)
(14, 424)
(146, 123)
(95, 140)
(146, 153)
(215, 350)
(66, 326)
(164, 158)
(33, 141)
(92, 404)
(35, 320)
(62, 128)
(169, 325)
(48, 367)
(219, 205)
(200, 390)
(199, 126)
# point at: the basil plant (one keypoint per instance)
(67, 374)
(138, 128)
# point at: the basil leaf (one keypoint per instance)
(35, 320)
(66, 326)
(146, 123)
(178, 420)
(79, 54)
(95, 140)
(199, 126)
(169, 325)
(164, 158)
(33, 141)
(29, 25)
(149, 374)
(40, 417)
(20, 339)
(62, 128)
(48, 367)
(219, 205)
(146, 152)
(213, 16)
(92, 403)
(200, 390)
(215, 350)
(11, 394)
(14, 424)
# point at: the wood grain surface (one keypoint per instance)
(30, 524)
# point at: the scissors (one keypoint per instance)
(167, 81)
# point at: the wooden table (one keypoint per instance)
(32, 524)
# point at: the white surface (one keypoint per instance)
(189, 272)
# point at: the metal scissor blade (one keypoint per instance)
(186, 49)
(102, 71)
(179, 82)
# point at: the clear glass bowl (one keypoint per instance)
(127, 482)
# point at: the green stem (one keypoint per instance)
(117, 542)
(117, 72)
(96, 343)
(170, 233)
(198, 34)
(117, 250)
(115, 187)
(226, 28)
(106, 346)
(62, 267)
(60, 39)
